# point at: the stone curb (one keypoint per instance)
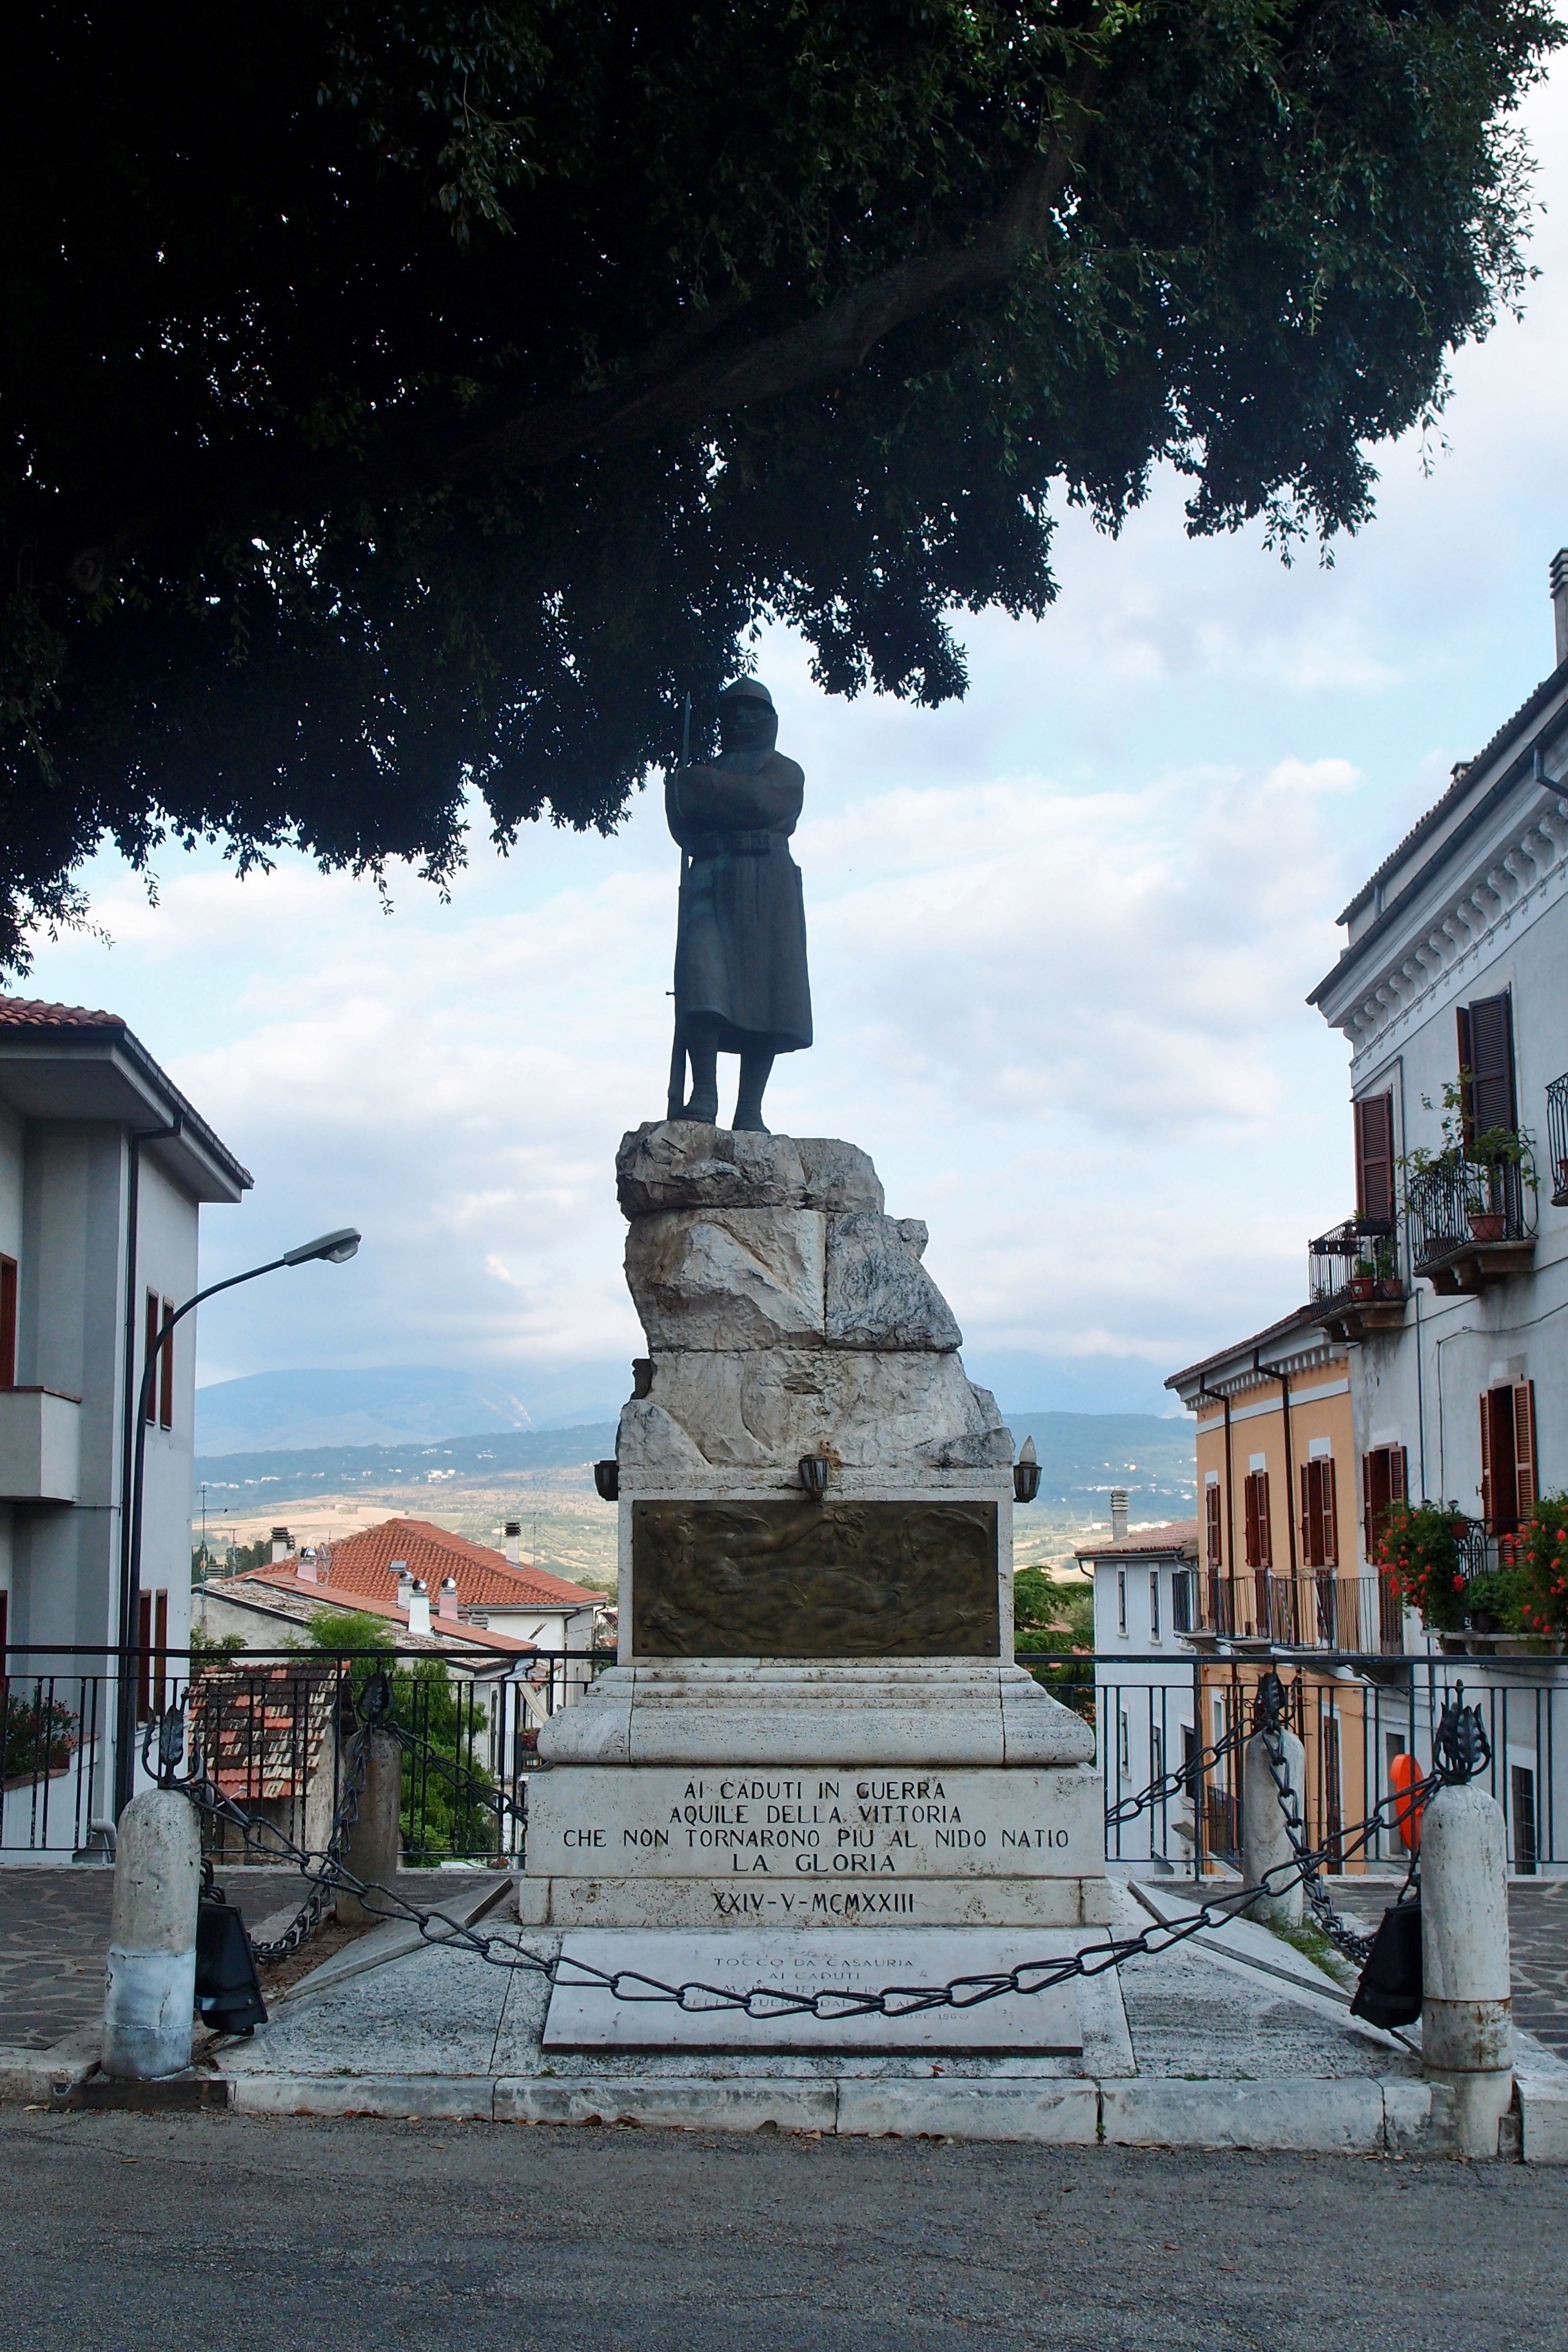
(1298, 2116)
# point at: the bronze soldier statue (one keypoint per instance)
(741, 983)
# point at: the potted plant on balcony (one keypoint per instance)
(1420, 1561)
(1543, 1569)
(1470, 1166)
(1364, 1279)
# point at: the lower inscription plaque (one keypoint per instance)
(788, 1580)
(585, 2015)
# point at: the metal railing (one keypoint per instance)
(273, 1733)
(1354, 1715)
(1317, 1609)
(1357, 1263)
(1476, 1202)
(272, 1727)
(1557, 1139)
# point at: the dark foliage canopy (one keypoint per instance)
(407, 399)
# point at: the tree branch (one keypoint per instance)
(667, 386)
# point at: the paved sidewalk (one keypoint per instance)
(216, 2231)
(54, 1932)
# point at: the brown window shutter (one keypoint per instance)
(1374, 1159)
(1399, 1473)
(1467, 1067)
(1369, 1505)
(1487, 1455)
(1308, 1515)
(1213, 1541)
(1265, 1537)
(152, 1349)
(1250, 1493)
(1528, 1481)
(166, 1372)
(1489, 1098)
(1327, 1506)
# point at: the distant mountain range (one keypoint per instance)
(1082, 1455)
(396, 1404)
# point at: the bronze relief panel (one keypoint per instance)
(834, 1579)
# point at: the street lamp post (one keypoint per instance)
(335, 1249)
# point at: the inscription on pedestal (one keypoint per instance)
(813, 1828)
(787, 1580)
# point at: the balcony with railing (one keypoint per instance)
(1557, 1139)
(1470, 1223)
(1355, 1281)
(1317, 1609)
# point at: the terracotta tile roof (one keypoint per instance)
(32, 1013)
(485, 1579)
(281, 1593)
(1173, 1535)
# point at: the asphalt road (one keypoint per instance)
(228, 2232)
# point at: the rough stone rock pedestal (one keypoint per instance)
(814, 1721)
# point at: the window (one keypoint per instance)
(1156, 1752)
(1123, 1742)
(1153, 1604)
(1181, 1600)
(1509, 1480)
(1383, 1480)
(1334, 1808)
(1374, 1160)
(1121, 1600)
(1320, 1527)
(1214, 1527)
(1486, 1053)
(7, 1322)
(1259, 1546)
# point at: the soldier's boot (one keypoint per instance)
(756, 1069)
(702, 1108)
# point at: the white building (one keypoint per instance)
(1457, 962)
(1457, 957)
(104, 1168)
(1145, 1685)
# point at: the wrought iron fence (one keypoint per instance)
(1354, 1717)
(272, 1727)
(1316, 1610)
(1474, 1202)
(1557, 1139)
(1358, 1262)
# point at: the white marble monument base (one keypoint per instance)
(584, 2014)
(648, 1902)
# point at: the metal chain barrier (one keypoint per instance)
(1345, 1938)
(327, 1873)
(1187, 1777)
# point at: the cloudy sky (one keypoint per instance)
(1060, 938)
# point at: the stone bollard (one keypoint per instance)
(1264, 1842)
(150, 1982)
(374, 1845)
(1467, 2018)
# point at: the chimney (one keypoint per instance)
(1118, 1513)
(418, 1607)
(282, 1545)
(447, 1606)
(306, 1569)
(513, 1542)
(1559, 576)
